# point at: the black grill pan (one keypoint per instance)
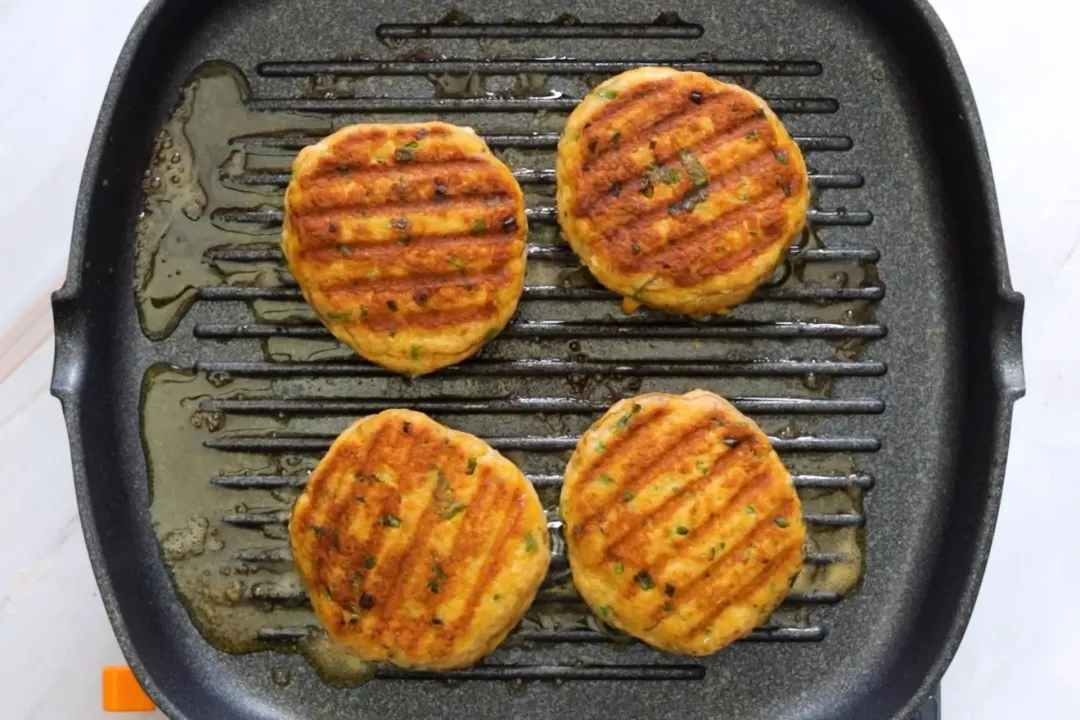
(883, 358)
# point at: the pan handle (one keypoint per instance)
(1007, 333)
(69, 328)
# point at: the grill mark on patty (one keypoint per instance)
(390, 250)
(624, 101)
(391, 500)
(650, 414)
(311, 225)
(767, 573)
(496, 276)
(676, 501)
(492, 565)
(433, 320)
(743, 495)
(592, 190)
(416, 546)
(477, 503)
(636, 480)
(617, 228)
(673, 116)
(322, 504)
(488, 512)
(697, 243)
(334, 170)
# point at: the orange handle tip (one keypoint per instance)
(121, 692)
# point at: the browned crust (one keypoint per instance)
(683, 527)
(407, 240)
(678, 190)
(418, 544)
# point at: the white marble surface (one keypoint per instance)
(1021, 654)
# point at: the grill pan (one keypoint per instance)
(883, 358)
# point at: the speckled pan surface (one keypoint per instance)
(884, 359)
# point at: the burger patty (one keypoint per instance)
(679, 191)
(682, 525)
(407, 240)
(418, 545)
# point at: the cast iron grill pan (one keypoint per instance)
(891, 408)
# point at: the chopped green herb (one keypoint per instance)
(615, 190)
(390, 520)
(345, 250)
(371, 273)
(665, 176)
(601, 447)
(702, 467)
(414, 351)
(618, 567)
(452, 511)
(605, 610)
(369, 562)
(320, 531)
(607, 93)
(615, 137)
(781, 522)
(338, 315)
(750, 510)
(530, 542)
(456, 261)
(712, 553)
(784, 186)
(694, 168)
(363, 312)
(329, 596)
(470, 467)
(644, 579)
(652, 144)
(440, 574)
(433, 587)
(404, 240)
(752, 135)
(478, 227)
(647, 187)
(404, 153)
(760, 112)
(627, 496)
(669, 606)
(669, 589)
(682, 530)
(490, 335)
(344, 170)
(605, 479)
(781, 156)
(625, 419)
(635, 248)
(496, 597)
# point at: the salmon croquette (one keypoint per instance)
(418, 545)
(682, 525)
(678, 191)
(407, 240)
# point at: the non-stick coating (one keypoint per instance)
(952, 351)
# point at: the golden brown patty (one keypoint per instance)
(408, 240)
(679, 191)
(418, 544)
(682, 525)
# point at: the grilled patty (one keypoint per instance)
(679, 191)
(682, 525)
(407, 240)
(418, 545)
